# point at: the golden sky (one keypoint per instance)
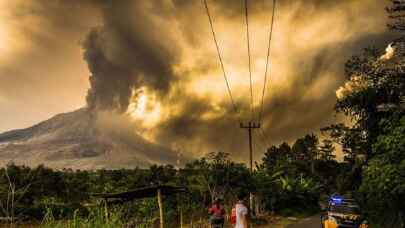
(156, 62)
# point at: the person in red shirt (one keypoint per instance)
(217, 213)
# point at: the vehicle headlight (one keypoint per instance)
(364, 224)
(333, 219)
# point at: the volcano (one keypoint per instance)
(77, 140)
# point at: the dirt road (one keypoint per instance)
(311, 222)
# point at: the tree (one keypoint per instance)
(15, 183)
(373, 98)
(162, 174)
(301, 192)
(383, 185)
(326, 150)
(306, 149)
(351, 139)
(275, 157)
(285, 151)
(217, 175)
(300, 150)
(396, 14)
(375, 88)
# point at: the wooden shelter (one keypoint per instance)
(146, 192)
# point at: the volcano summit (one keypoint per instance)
(81, 140)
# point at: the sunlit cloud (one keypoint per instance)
(164, 72)
(145, 108)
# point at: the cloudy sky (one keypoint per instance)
(155, 62)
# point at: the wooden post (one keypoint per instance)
(181, 218)
(159, 198)
(180, 208)
(106, 210)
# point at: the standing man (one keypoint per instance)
(241, 212)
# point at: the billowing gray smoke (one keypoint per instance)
(128, 50)
(141, 43)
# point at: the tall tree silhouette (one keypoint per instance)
(396, 13)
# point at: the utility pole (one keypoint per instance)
(160, 203)
(250, 127)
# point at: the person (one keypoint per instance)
(217, 213)
(241, 212)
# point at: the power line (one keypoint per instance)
(262, 144)
(267, 61)
(219, 56)
(248, 46)
(264, 137)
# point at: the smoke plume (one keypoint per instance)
(130, 49)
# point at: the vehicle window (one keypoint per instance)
(344, 209)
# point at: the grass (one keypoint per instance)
(97, 218)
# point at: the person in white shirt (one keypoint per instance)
(241, 212)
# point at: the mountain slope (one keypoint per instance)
(77, 140)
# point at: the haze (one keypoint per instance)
(155, 63)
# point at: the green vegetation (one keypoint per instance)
(96, 218)
(374, 145)
(283, 183)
